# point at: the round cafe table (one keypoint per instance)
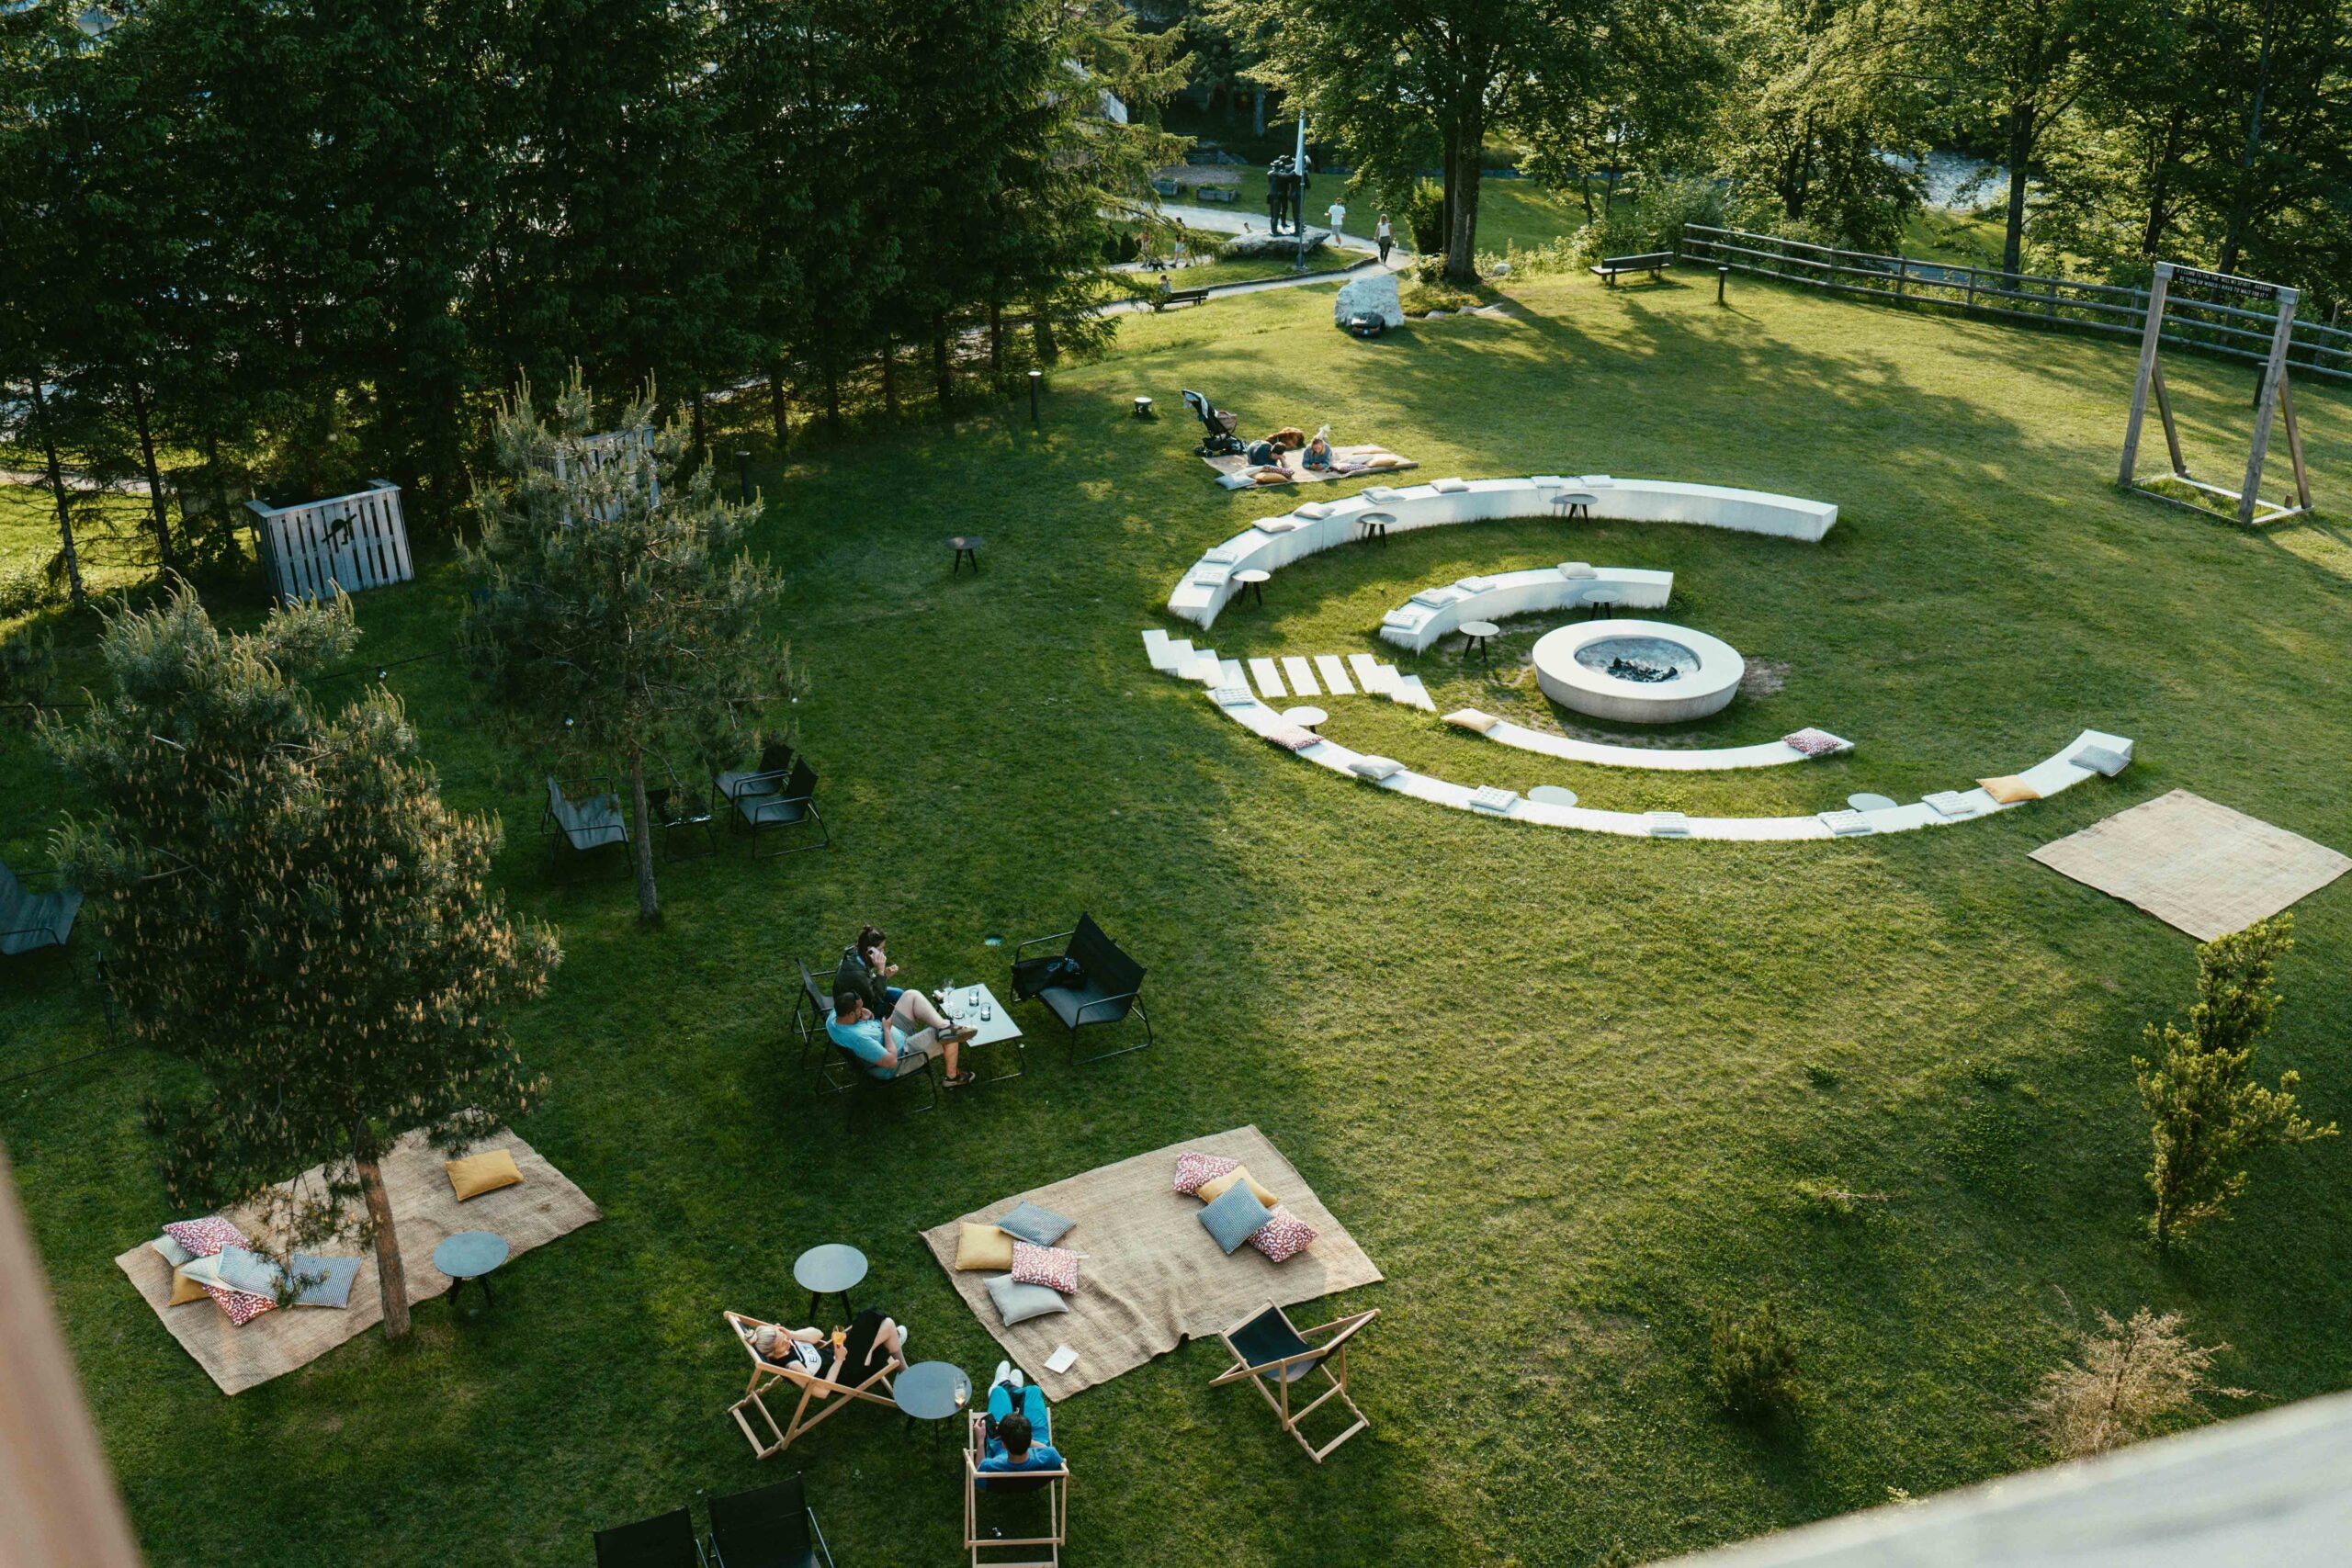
(1477, 635)
(968, 549)
(833, 1269)
(1871, 802)
(1552, 795)
(931, 1391)
(1253, 584)
(1306, 717)
(470, 1254)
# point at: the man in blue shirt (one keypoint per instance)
(1017, 1441)
(886, 1053)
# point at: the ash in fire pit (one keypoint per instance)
(1645, 659)
(1626, 669)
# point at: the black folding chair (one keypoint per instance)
(768, 800)
(769, 1527)
(1090, 981)
(667, 1542)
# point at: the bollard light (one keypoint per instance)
(743, 475)
(1721, 273)
(1036, 379)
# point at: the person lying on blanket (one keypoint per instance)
(848, 1355)
(1017, 1440)
(1318, 452)
(889, 1049)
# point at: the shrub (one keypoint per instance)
(28, 665)
(1653, 223)
(1753, 1364)
(23, 591)
(2132, 1379)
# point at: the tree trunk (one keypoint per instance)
(392, 1279)
(701, 447)
(2152, 233)
(941, 367)
(996, 335)
(648, 902)
(1461, 196)
(57, 488)
(1584, 192)
(2242, 202)
(889, 376)
(2022, 138)
(779, 414)
(154, 476)
(1041, 332)
(1257, 115)
(833, 394)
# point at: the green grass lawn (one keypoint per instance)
(1562, 1087)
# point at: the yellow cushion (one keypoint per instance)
(2008, 789)
(983, 1246)
(1210, 1192)
(185, 1290)
(477, 1174)
(1472, 720)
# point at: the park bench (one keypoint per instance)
(1218, 193)
(1164, 188)
(1654, 263)
(1178, 297)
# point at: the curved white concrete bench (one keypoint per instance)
(2049, 776)
(1434, 611)
(1313, 527)
(1686, 759)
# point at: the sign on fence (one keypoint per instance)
(352, 542)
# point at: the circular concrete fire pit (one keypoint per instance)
(1638, 671)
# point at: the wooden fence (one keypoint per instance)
(352, 542)
(2210, 326)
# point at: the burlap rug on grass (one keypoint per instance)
(543, 1206)
(2195, 864)
(1152, 1276)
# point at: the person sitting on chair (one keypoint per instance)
(865, 968)
(1017, 1440)
(915, 1032)
(849, 1356)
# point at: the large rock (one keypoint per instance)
(1243, 247)
(1375, 295)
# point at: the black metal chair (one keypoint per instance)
(583, 821)
(776, 764)
(837, 1072)
(1090, 981)
(667, 1542)
(810, 1011)
(777, 798)
(769, 1527)
(30, 922)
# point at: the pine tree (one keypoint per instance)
(288, 907)
(605, 625)
(2209, 1114)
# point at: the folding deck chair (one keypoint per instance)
(1053, 1484)
(831, 1396)
(1268, 1350)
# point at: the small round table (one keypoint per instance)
(470, 1254)
(1604, 599)
(1254, 582)
(1552, 795)
(1143, 408)
(1479, 633)
(931, 1391)
(968, 549)
(1374, 525)
(1306, 717)
(1867, 802)
(833, 1269)
(1572, 504)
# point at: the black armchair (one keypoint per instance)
(769, 1527)
(585, 822)
(1090, 981)
(775, 798)
(29, 921)
(665, 1542)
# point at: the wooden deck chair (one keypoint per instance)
(1268, 1350)
(1053, 1484)
(829, 1396)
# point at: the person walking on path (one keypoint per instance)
(1338, 213)
(1384, 236)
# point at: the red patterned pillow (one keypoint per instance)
(241, 1308)
(1054, 1267)
(203, 1237)
(1282, 1237)
(1194, 1168)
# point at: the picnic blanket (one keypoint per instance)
(544, 1206)
(1152, 1276)
(2195, 864)
(1350, 462)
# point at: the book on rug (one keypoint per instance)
(1062, 1360)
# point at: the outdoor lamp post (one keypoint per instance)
(1036, 379)
(1298, 207)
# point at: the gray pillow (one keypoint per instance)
(244, 1270)
(172, 1252)
(1017, 1302)
(335, 1289)
(2100, 759)
(1031, 1224)
(1236, 1217)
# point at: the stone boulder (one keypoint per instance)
(1247, 247)
(1375, 295)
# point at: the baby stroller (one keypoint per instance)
(1221, 441)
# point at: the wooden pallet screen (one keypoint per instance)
(352, 542)
(596, 451)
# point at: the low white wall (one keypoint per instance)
(1414, 627)
(1275, 543)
